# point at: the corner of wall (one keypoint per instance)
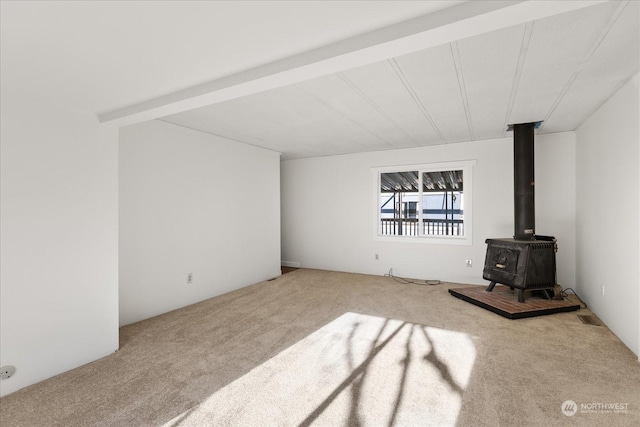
(193, 203)
(609, 141)
(59, 261)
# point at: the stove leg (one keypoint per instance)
(520, 295)
(490, 287)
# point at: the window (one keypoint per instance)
(425, 201)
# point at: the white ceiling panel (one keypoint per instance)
(343, 121)
(340, 94)
(606, 70)
(230, 120)
(320, 115)
(381, 84)
(489, 63)
(433, 77)
(333, 127)
(556, 49)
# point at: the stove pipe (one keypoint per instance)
(523, 181)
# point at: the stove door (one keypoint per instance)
(501, 264)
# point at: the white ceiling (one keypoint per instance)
(105, 55)
(323, 78)
(558, 69)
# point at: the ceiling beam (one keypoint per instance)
(451, 24)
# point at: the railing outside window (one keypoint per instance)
(430, 227)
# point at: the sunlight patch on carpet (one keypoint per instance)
(356, 370)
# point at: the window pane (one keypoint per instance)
(443, 203)
(399, 194)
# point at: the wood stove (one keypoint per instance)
(521, 264)
(526, 261)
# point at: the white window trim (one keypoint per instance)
(467, 170)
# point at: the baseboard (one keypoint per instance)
(290, 264)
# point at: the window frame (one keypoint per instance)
(466, 166)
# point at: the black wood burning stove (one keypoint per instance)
(527, 261)
(521, 264)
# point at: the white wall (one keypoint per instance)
(608, 228)
(319, 235)
(195, 203)
(58, 247)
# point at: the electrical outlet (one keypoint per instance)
(7, 372)
(377, 257)
(189, 278)
(469, 263)
(603, 289)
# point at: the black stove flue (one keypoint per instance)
(526, 261)
(524, 182)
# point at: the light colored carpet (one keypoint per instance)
(357, 370)
(325, 348)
